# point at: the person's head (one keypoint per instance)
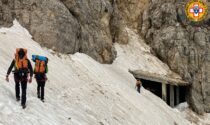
(137, 80)
(21, 53)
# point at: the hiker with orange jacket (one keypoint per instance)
(40, 71)
(22, 67)
(138, 85)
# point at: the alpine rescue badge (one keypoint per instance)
(196, 10)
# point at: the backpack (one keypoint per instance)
(21, 63)
(42, 58)
(40, 64)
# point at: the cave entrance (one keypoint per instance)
(152, 86)
(179, 94)
(171, 90)
(171, 94)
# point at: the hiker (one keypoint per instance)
(40, 71)
(22, 67)
(138, 85)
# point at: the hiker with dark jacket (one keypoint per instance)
(22, 67)
(138, 85)
(40, 71)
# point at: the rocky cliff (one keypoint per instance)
(183, 45)
(69, 26)
(92, 26)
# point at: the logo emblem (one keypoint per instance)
(196, 10)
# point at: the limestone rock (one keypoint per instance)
(183, 46)
(127, 13)
(68, 26)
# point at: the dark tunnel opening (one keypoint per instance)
(152, 86)
(178, 96)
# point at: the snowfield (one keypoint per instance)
(81, 91)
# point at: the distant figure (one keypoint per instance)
(40, 71)
(138, 85)
(22, 68)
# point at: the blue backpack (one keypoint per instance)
(42, 58)
(35, 58)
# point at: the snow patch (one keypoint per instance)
(81, 91)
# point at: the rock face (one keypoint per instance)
(182, 45)
(94, 34)
(69, 26)
(6, 17)
(127, 13)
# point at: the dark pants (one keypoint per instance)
(40, 86)
(40, 79)
(138, 88)
(23, 82)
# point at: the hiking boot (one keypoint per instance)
(17, 99)
(38, 96)
(42, 100)
(23, 106)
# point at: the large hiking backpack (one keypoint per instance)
(40, 64)
(21, 63)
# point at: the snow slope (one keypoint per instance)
(192, 116)
(80, 91)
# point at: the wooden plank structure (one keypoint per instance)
(171, 79)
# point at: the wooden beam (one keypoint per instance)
(177, 95)
(159, 78)
(171, 95)
(164, 92)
